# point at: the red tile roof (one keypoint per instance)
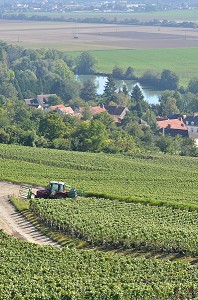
(54, 107)
(96, 109)
(172, 124)
(66, 110)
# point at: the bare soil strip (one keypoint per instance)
(13, 223)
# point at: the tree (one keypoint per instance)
(136, 94)
(164, 143)
(61, 143)
(63, 70)
(90, 136)
(129, 74)
(4, 119)
(86, 115)
(8, 90)
(150, 77)
(27, 82)
(23, 64)
(86, 64)
(66, 89)
(117, 72)
(52, 126)
(125, 90)
(188, 147)
(122, 143)
(193, 85)
(169, 80)
(48, 82)
(138, 103)
(168, 103)
(22, 116)
(110, 88)
(88, 91)
(105, 118)
(54, 100)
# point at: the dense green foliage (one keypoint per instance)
(161, 177)
(29, 272)
(114, 224)
(26, 73)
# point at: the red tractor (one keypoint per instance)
(57, 190)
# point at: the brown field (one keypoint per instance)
(82, 36)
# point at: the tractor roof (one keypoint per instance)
(57, 182)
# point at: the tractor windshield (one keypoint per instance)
(54, 187)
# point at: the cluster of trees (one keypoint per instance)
(166, 80)
(27, 73)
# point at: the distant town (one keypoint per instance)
(102, 6)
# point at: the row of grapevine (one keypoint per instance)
(30, 272)
(157, 177)
(108, 223)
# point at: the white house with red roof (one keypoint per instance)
(173, 127)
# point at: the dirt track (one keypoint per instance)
(13, 223)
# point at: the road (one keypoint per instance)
(13, 223)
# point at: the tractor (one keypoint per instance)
(57, 190)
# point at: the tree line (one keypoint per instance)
(99, 20)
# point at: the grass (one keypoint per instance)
(172, 15)
(148, 177)
(69, 242)
(150, 59)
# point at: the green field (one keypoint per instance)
(172, 15)
(113, 224)
(31, 272)
(141, 47)
(143, 235)
(157, 177)
(183, 61)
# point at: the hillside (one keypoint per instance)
(157, 176)
(133, 251)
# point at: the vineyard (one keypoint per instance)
(113, 224)
(128, 215)
(151, 177)
(32, 272)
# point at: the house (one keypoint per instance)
(191, 123)
(33, 102)
(61, 109)
(96, 110)
(173, 127)
(67, 110)
(116, 111)
(55, 107)
(78, 111)
(41, 101)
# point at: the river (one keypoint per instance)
(150, 95)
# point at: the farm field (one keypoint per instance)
(150, 59)
(112, 224)
(142, 47)
(158, 176)
(171, 15)
(70, 36)
(29, 272)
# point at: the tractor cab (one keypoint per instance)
(55, 186)
(57, 189)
